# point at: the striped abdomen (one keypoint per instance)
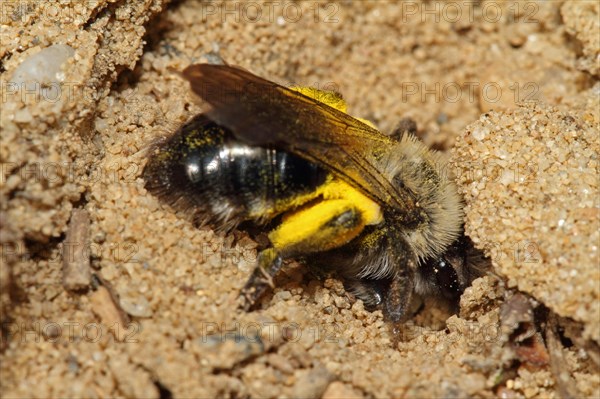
(205, 172)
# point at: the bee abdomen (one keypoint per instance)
(203, 171)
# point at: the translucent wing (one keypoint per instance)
(261, 112)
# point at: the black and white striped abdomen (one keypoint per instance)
(204, 171)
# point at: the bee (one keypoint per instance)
(379, 210)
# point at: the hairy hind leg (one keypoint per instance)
(269, 263)
(326, 225)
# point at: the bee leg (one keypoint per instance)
(371, 292)
(268, 265)
(327, 225)
(323, 226)
(399, 297)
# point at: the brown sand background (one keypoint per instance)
(512, 86)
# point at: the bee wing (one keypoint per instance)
(261, 112)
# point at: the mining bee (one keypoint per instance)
(378, 210)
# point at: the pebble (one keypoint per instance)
(135, 304)
(45, 66)
(312, 383)
(339, 390)
(225, 350)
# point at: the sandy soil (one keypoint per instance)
(511, 87)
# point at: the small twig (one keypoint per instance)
(106, 306)
(76, 257)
